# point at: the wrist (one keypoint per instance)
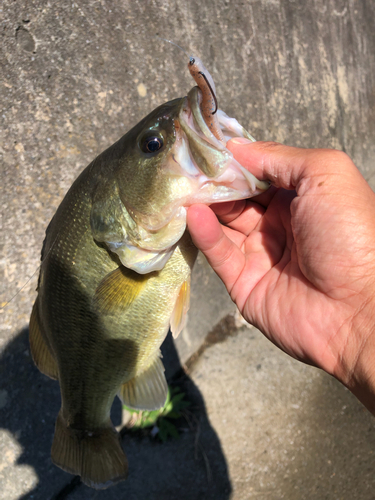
(356, 368)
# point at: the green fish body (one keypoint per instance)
(115, 276)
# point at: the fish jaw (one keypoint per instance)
(219, 177)
(196, 168)
(210, 174)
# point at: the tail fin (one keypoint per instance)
(95, 456)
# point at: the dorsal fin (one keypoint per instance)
(119, 289)
(40, 352)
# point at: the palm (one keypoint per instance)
(300, 264)
(297, 285)
(277, 292)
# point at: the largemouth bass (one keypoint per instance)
(115, 275)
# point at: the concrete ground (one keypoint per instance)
(75, 76)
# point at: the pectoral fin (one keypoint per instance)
(147, 391)
(179, 315)
(40, 352)
(118, 290)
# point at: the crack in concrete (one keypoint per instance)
(220, 332)
(67, 489)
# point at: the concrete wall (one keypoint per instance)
(75, 76)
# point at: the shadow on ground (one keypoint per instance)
(288, 430)
(190, 467)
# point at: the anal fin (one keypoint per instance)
(95, 455)
(40, 352)
(147, 391)
(179, 315)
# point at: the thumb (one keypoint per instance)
(224, 256)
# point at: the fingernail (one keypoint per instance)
(241, 140)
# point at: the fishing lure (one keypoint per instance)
(208, 103)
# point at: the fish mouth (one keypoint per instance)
(219, 175)
(200, 169)
(229, 126)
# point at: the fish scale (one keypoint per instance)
(115, 274)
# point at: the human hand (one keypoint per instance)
(299, 260)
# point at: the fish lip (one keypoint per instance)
(191, 117)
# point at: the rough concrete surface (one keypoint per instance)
(75, 76)
(287, 430)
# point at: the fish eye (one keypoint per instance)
(152, 144)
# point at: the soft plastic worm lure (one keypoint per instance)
(206, 85)
(209, 102)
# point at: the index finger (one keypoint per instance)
(288, 167)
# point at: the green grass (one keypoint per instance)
(161, 422)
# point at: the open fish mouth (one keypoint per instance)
(229, 126)
(219, 175)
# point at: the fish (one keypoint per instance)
(115, 274)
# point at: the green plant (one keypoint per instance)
(160, 421)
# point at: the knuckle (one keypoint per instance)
(268, 145)
(334, 156)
